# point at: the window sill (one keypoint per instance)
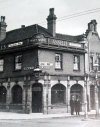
(56, 69)
(17, 70)
(76, 70)
(1, 71)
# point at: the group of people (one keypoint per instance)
(75, 106)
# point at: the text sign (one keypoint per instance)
(45, 65)
(28, 68)
(75, 45)
(15, 44)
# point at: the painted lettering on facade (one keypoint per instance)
(15, 44)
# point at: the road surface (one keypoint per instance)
(52, 122)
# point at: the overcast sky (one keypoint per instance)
(28, 12)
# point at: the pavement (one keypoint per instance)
(16, 116)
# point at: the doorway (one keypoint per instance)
(37, 91)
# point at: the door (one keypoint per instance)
(37, 98)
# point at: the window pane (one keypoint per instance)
(1, 64)
(18, 62)
(58, 61)
(18, 66)
(91, 63)
(58, 57)
(98, 64)
(57, 65)
(75, 66)
(76, 63)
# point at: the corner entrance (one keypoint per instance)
(37, 97)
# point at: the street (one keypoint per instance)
(53, 122)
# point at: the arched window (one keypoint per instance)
(3, 93)
(77, 91)
(58, 92)
(17, 94)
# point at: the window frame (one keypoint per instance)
(2, 65)
(15, 69)
(98, 63)
(60, 61)
(78, 62)
(91, 63)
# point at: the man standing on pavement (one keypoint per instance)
(77, 106)
(72, 105)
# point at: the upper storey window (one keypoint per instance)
(98, 64)
(58, 61)
(76, 62)
(91, 63)
(18, 62)
(1, 65)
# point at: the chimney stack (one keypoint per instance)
(92, 26)
(2, 28)
(51, 22)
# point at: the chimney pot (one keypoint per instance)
(2, 18)
(52, 11)
(22, 26)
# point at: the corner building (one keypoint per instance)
(40, 69)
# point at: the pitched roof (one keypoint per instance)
(29, 31)
(24, 33)
(69, 37)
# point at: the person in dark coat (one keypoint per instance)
(77, 106)
(72, 105)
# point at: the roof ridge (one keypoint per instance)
(21, 28)
(69, 35)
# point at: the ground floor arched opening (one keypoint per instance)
(3, 93)
(58, 94)
(17, 94)
(92, 97)
(77, 92)
(37, 91)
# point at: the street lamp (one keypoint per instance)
(95, 66)
(85, 97)
(37, 72)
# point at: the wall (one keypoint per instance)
(49, 56)
(29, 59)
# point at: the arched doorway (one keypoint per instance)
(17, 94)
(37, 91)
(92, 96)
(58, 94)
(77, 91)
(3, 93)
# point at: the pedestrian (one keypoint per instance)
(77, 106)
(72, 105)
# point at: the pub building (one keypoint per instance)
(40, 70)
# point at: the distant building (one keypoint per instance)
(92, 57)
(40, 70)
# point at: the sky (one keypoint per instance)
(29, 12)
